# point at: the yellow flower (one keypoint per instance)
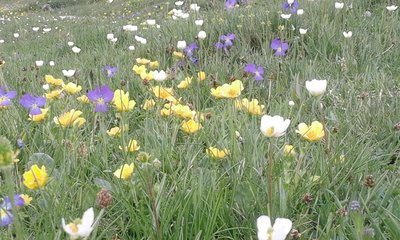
(27, 199)
(142, 61)
(164, 93)
(36, 177)
(288, 150)
(70, 118)
(122, 102)
(201, 76)
(116, 131)
(53, 81)
(132, 146)
(125, 172)
(148, 104)
(39, 117)
(185, 83)
(190, 126)
(83, 99)
(139, 70)
(178, 55)
(72, 88)
(232, 90)
(148, 76)
(154, 65)
(252, 107)
(217, 153)
(183, 111)
(312, 133)
(54, 94)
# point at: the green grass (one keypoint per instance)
(181, 193)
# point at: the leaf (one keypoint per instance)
(41, 159)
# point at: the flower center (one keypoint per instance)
(279, 49)
(100, 101)
(270, 131)
(34, 106)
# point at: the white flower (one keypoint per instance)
(290, 2)
(131, 48)
(46, 87)
(140, 39)
(1, 40)
(279, 231)
(151, 22)
(35, 29)
(291, 103)
(80, 228)
(316, 87)
(199, 22)
(114, 40)
(110, 36)
(348, 34)
(286, 16)
(339, 5)
(68, 73)
(202, 35)
(46, 30)
(181, 44)
(70, 44)
(110, 1)
(16, 35)
(392, 8)
(159, 75)
(194, 7)
(75, 49)
(303, 31)
(179, 3)
(39, 63)
(130, 28)
(185, 15)
(300, 12)
(51, 63)
(274, 126)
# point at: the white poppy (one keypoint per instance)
(130, 28)
(140, 39)
(179, 3)
(80, 228)
(392, 8)
(110, 36)
(114, 40)
(300, 12)
(35, 29)
(1, 40)
(75, 49)
(46, 30)
(316, 87)
(51, 63)
(39, 63)
(339, 5)
(202, 35)
(303, 31)
(131, 48)
(68, 73)
(159, 75)
(274, 126)
(194, 7)
(151, 22)
(70, 44)
(348, 34)
(181, 44)
(46, 87)
(286, 16)
(290, 2)
(279, 231)
(291, 103)
(16, 35)
(199, 22)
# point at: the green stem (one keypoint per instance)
(270, 179)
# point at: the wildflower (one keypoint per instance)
(51, 63)
(122, 102)
(131, 48)
(104, 198)
(316, 87)
(36, 177)
(5, 98)
(226, 41)
(80, 228)
(70, 44)
(199, 22)
(68, 73)
(253, 107)
(151, 22)
(32, 103)
(183, 111)
(125, 172)
(280, 47)
(348, 34)
(147, 75)
(70, 118)
(185, 83)
(109, 71)
(39, 117)
(291, 6)
(202, 35)
(217, 153)
(110, 36)
(39, 63)
(190, 126)
(300, 12)
(229, 4)
(286, 16)
(72, 88)
(101, 96)
(83, 99)
(232, 90)
(148, 104)
(288, 150)
(303, 31)
(129, 28)
(154, 64)
(194, 7)
(258, 72)
(53, 81)
(181, 45)
(140, 39)
(164, 93)
(53, 94)
(339, 5)
(159, 76)
(392, 8)
(274, 126)
(114, 132)
(139, 69)
(312, 133)
(6, 216)
(201, 76)
(75, 49)
(279, 231)
(291, 103)
(178, 54)
(132, 146)
(189, 50)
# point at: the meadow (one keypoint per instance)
(207, 119)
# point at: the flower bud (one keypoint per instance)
(104, 198)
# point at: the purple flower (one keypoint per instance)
(6, 216)
(280, 47)
(109, 71)
(101, 96)
(5, 97)
(189, 50)
(32, 103)
(229, 4)
(258, 72)
(225, 41)
(291, 6)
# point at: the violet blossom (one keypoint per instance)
(101, 96)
